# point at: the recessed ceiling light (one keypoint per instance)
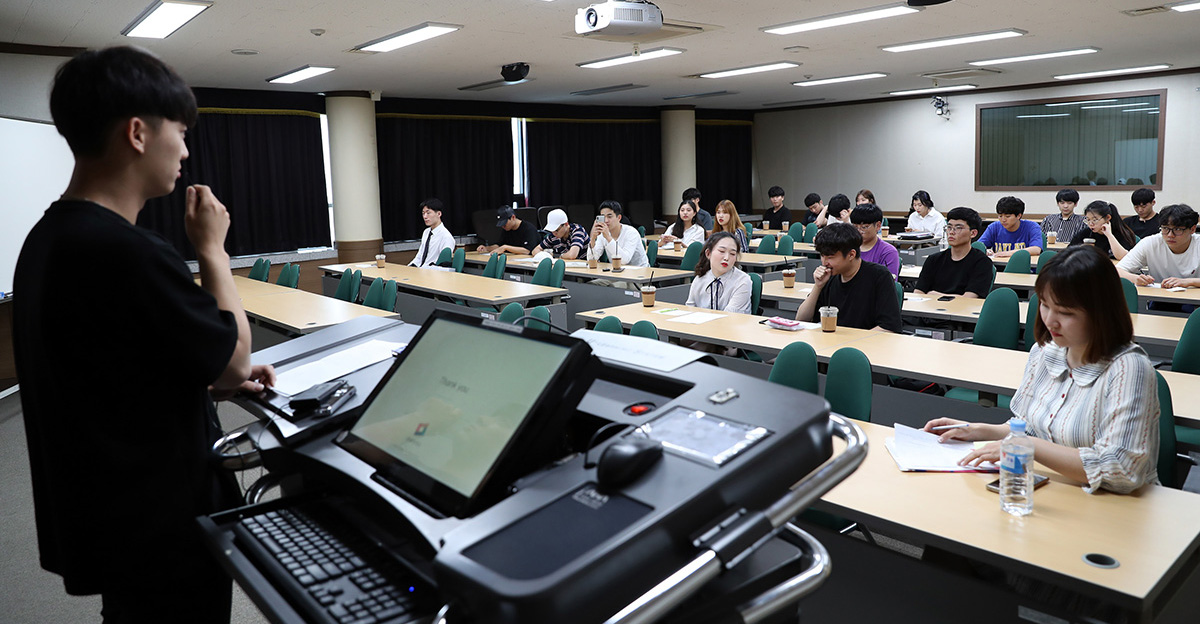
(1034, 57)
(244, 52)
(164, 17)
(644, 55)
(797, 102)
(1082, 102)
(610, 89)
(1184, 7)
(692, 96)
(825, 81)
(1043, 116)
(1112, 72)
(750, 70)
(841, 19)
(949, 41)
(493, 84)
(407, 37)
(300, 73)
(1115, 105)
(965, 87)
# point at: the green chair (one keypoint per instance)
(766, 245)
(998, 326)
(557, 274)
(1131, 298)
(1030, 319)
(610, 324)
(541, 276)
(848, 384)
(445, 257)
(691, 256)
(642, 232)
(501, 264)
(652, 253)
(885, 222)
(489, 270)
(796, 367)
(284, 272)
(1043, 240)
(644, 329)
(541, 314)
(749, 227)
(1187, 350)
(381, 295)
(796, 231)
(289, 276)
(511, 313)
(1019, 262)
(900, 294)
(1167, 438)
(261, 269)
(787, 245)
(460, 259)
(755, 293)
(978, 245)
(810, 232)
(604, 256)
(1043, 258)
(348, 286)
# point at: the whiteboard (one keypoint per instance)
(35, 167)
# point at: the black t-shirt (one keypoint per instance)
(1102, 240)
(115, 348)
(526, 235)
(1144, 228)
(941, 273)
(809, 217)
(867, 301)
(773, 219)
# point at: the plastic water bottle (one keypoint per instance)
(1016, 470)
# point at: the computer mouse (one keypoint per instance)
(623, 462)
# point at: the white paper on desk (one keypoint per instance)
(635, 351)
(672, 312)
(917, 451)
(1174, 289)
(696, 318)
(335, 365)
(915, 298)
(576, 265)
(365, 265)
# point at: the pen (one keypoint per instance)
(945, 427)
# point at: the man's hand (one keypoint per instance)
(1173, 282)
(1144, 280)
(262, 376)
(821, 276)
(205, 220)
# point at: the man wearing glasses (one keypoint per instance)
(868, 218)
(961, 269)
(1172, 256)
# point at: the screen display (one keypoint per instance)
(457, 399)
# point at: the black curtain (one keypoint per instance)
(267, 167)
(587, 162)
(723, 171)
(465, 162)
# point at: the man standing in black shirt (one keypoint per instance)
(1146, 222)
(117, 406)
(518, 237)
(961, 269)
(778, 214)
(863, 292)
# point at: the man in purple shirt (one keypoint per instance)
(1011, 232)
(868, 218)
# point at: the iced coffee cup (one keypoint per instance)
(648, 295)
(789, 278)
(678, 245)
(1051, 237)
(828, 318)
(783, 226)
(380, 260)
(593, 262)
(1089, 241)
(883, 231)
(616, 262)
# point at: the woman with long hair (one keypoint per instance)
(1104, 225)
(728, 221)
(719, 284)
(685, 229)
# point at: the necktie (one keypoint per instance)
(714, 294)
(424, 248)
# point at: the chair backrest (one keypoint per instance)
(796, 367)
(511, 312)
(284, 274)
(796, 231)
(899, 294)
(810, 232)
(992, 284)
(557, 274)
(501, 264)
(978, 245)
(749, 227)
(489, 270)
(460, 260)
(1043, 258)
(581, 214)
(1166, 433)
(294, 282)
(642, 232)
(848, 384)
(1131, 297)
(260, 270)
(691, 256)
(1018, 262)
(787, 245)
(289, 276)
(374, 298)
(1187, 350)
(609, 324)
(755, 292)
(445, 257)
(541, 313)
(766, 245)
(885, 222)
(541, 276)
(541, 213)
(1030, 319)
(347, 289)
(527, 214)
(652, 253)
(999, 321)
(644, 329)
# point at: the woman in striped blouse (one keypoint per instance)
(1088, 394)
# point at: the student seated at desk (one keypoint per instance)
(961, 269)
(868, 218)
(1066, 224)
(1088, 393)
(719, 284)
(1011, 232)
(1145, 222)
(838, 211)
(1105, 227)
(435, 238)
(619, 241)
(779, 214)
(685, 229)
(1173, 255)
(518, 237)
(815, 209)
(923, 217)
(562, 238)
(863, 292)
(729, 221)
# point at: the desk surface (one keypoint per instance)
(1150, 533)
(636, 275)
(475, 288)
(1027, 282)
(762, 261)
(295, 310)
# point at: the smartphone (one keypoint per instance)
(599, 218)
(1038, 481)
(946, 298)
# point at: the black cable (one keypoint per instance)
(530, 317)
(592, 440)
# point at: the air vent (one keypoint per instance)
(1146, 11)
(629, 15)
(669, 30)
(965, 73)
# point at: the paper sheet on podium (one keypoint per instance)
(917, 451)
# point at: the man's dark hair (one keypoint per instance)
(1178, 215)
(690, 194)
(866, 213)
(1067, 195)
(1142, 196)
(811, 199)
(433, 204)
(775, 191)
(98, 89)
(612, 205)
(1010, 205)
(838, 203)
(962, 213)
(837, 237)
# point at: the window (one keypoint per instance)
(1098, 140)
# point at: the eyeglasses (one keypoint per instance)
(1173, 231)
(957, 228)
(1093, 221)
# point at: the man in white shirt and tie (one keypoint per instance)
(435, 238)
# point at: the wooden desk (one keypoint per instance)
(761, 232)
(906, 242)
(472, 288)
(797, 246)
(746, 260)
(297, 311)
(1021, 281)
(635, 275)
(1153, 533)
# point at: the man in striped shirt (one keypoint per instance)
(562, 238)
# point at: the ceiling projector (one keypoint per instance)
(617, 18)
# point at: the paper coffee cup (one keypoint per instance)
(616, 263)
(789, 278)
(678, 245)
(380, 260)
(829, 318)
(1051, 237)
(648, 296)
(593, 263)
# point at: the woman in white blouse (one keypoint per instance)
(924, 218)
(1088, 395)
(719, 284)
(685, 229)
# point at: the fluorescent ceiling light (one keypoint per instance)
(965, 87)
(1112, 72)
(949, 41)
(407, 37)
(645, 55)
(1139, 110)
(700, 95)
(1081, 102)
(1183, 7)
(750, 70)
(1043, 116)
(842, 19)
(300, 73)
(825, 81)
(1152, 113)
(1115, 105)
(1034, 57)
(164, 17)
(609, 89)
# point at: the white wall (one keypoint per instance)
(25, 90)
(895, 148)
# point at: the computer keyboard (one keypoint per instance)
(331, 571)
